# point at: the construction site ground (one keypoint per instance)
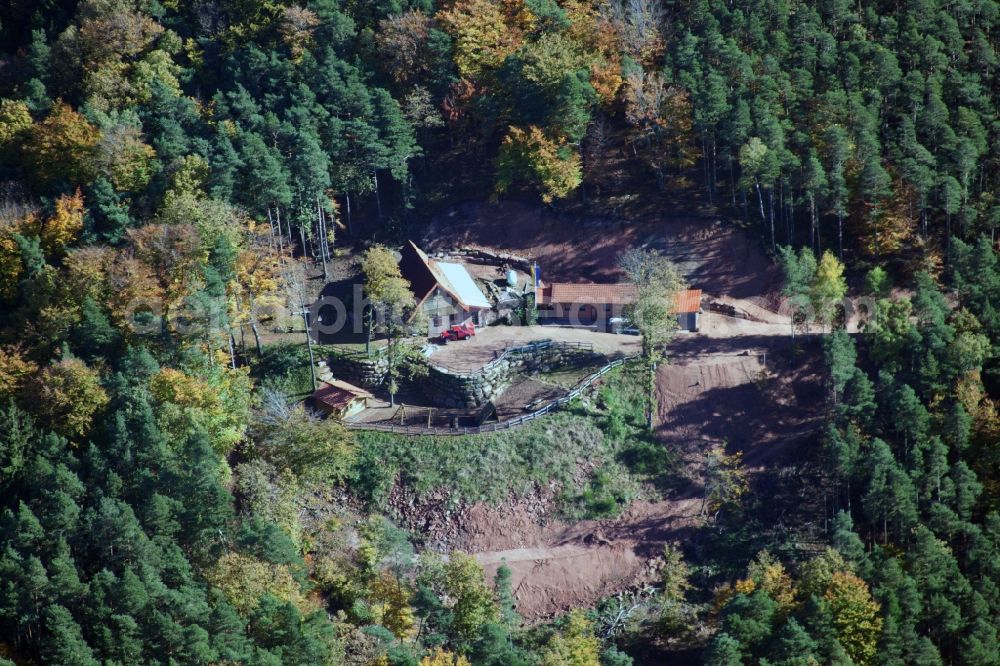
(713, 391)
(741, 381)
(713, 255)
(472, 354)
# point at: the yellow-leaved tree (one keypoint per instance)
(483, 35)
(461, 580)
(125, 158)
(86, 272)
(725, 479)
(255, 293)
(244, 579)
(297, 26)
(828, 288)
(769, 575)
(61, 147)
(390, 603)
(600, 40)
(575, 645)
(530, 155)
(10, 261)
(66, 395)
(132, 291)
(15, 120)
(15, 371)
(172, 254)
(441, 657)
(218, 404)
(60, 230)
(855, 616)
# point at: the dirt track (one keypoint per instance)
(477, 351)
(715, 389)
(559, 566)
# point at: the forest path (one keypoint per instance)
(562, 566)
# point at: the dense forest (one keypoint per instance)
(170, 171)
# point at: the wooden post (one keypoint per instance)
(320, 228)
(312, 360)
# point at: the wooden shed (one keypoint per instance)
(340, 399)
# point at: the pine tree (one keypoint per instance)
(724, 650)
(65, 645)
(505, 597)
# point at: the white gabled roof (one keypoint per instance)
(463, 285)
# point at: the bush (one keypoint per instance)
(609, 491)
(284, 366)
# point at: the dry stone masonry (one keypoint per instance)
(450, 388)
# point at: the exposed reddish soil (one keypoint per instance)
(716, 257)
(712, 391)
(715, 390)
(556, 567)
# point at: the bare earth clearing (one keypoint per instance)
(714, 256)
(558, 566)
(749, 392)
(713, 391)
(736, 382)
(477, 351)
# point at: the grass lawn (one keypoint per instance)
(597, 449)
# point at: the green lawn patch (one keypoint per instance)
(592, 441)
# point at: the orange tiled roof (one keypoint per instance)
(688, 300)
(616, 293)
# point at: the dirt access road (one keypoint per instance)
(477, 351)
(736, 382)
(474, 353)
(713, 391)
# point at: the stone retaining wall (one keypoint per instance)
(448, 388)
(452, 389)
(364, 371)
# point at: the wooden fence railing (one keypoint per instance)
(575, 392)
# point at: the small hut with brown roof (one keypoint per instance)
(340, 399)
(592, 304)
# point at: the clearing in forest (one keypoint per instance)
(714, 256)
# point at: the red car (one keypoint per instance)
(458, 332)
